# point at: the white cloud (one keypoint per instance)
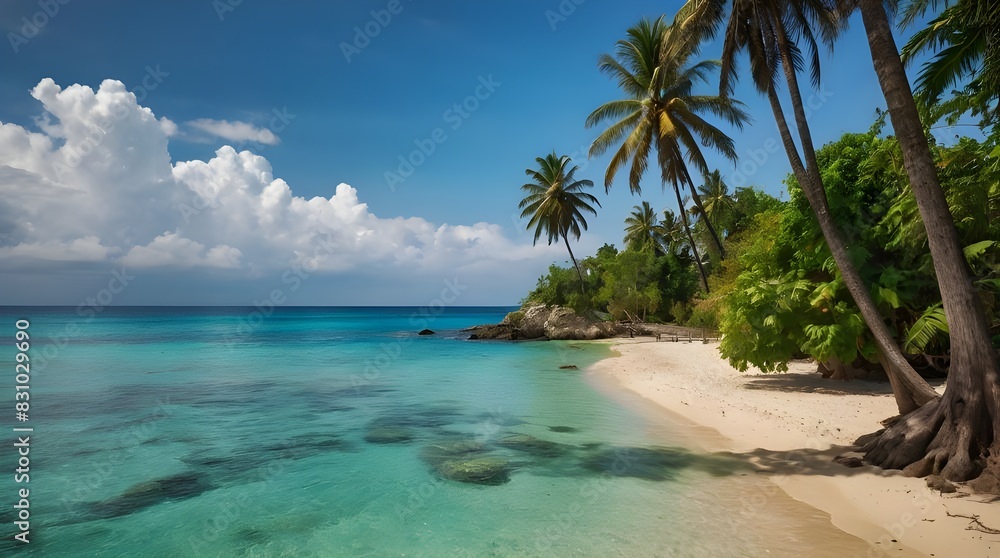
(168, 126)
(97, 184)
(87, 249)
(235, 131)
(171, 249)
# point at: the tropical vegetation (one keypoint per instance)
(886, 257)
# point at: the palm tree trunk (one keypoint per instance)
(583, 287)
(953, 438)
(687, 229)
(704, 214)
(909, 389)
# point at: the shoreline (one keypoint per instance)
(790, 426)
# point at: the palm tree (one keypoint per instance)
(670, 230)
(718, 203)
(771, 32)
(662, 111)
(957, 436)
(966, 32)
(555, 202)
(641, 229)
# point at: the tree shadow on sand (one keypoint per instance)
(801, 383)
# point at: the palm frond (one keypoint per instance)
(931, 324)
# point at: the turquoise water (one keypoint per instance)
(338, 432)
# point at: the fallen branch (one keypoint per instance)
(975, 524)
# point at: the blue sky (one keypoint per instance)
(323, 104)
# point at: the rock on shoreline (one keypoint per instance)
(545, 322)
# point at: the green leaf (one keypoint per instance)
(992, 283)
(889, 296)
(823, 293)
(931, 324)
(975, 251)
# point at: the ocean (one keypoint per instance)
(298, 432)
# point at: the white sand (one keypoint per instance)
(792, 425)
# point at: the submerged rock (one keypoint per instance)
(562, 429)
(466, 461)
(425, 332)
(150, 493)
(658, 464)
(569, 367)
(531, 445)
(435, 454)
(481, 470)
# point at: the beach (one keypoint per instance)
(791, 426)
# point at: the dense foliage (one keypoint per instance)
(846, 271)
(770, 283)
(788, 297)
(633, 283)
(778, 295)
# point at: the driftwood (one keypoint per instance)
(974, 524)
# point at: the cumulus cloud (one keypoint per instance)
(168, 126)
(171, 249)
(96, 183)
(87, 249)
(235, 131)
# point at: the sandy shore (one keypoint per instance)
(792, 425)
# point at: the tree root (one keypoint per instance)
(933, 441)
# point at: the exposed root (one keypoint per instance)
(989, 481)
(906, 441)
(930, 441)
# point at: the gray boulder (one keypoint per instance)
(558, 322)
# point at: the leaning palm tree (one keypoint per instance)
(771, 32)
(555, 202)
(958, 435)
(661, 111)
(641, 229)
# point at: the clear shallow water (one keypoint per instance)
(332, 432)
